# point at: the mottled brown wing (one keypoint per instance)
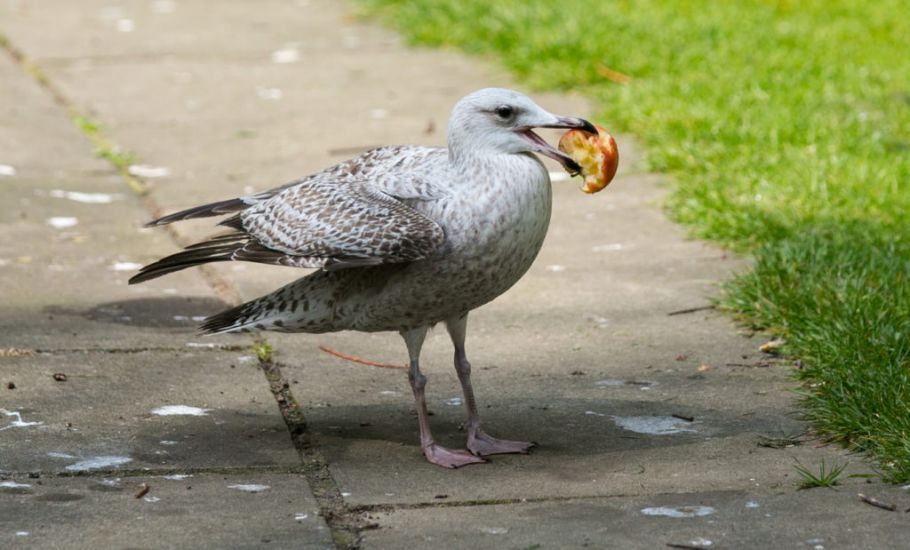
(336, 224)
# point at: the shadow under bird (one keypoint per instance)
(404, 237)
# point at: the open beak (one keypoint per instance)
(544, 148)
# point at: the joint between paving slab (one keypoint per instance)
(384, 507)
(168, 349)
(344, 522)
(157, 472)
(118, 157)
(390, 507)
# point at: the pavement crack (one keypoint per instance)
(366, 509)
(383, 507)
(168, 349)
(345, 522)
(129, 473)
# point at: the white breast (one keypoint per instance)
(493, 231)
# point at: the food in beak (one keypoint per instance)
(596, 154)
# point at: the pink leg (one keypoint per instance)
(435, 454)
(479, 442)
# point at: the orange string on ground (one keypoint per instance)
(353, 359)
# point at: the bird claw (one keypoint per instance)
(450, 458)
(482, 444)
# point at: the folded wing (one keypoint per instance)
(320, 222)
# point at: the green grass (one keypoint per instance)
(263, 351)
(103, 147)
(784, 128)
(826, 477)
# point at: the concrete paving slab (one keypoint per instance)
(71, 292)
(818, 519)
(594, 440)
(73, 236)
(131, 411)
(36, 139)
(252, 510)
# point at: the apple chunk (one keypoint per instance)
(597, 156)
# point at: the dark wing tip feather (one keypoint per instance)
(204, 211)
(216, 251)
(235, 237)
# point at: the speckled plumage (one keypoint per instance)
(404, 236)
(492, 234)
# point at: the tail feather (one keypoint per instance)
(228, 320)
(303, 305)
(258, 314)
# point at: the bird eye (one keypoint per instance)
(505, 112)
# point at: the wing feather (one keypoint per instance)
(349, 220)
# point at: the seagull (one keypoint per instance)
(404, 237)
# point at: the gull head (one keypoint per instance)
(497, 120)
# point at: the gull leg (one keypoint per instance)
(479, 442)
(435, 454)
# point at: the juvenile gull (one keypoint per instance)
(405, 237)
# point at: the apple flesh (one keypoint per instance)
(596, 154)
